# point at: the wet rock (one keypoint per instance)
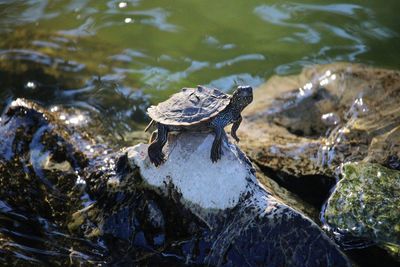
(39, 173)
(365, 204)
(308, 124)
(203, 213)
(301, 128)
(288, 197)
(34, 150)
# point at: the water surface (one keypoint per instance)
(114, 58)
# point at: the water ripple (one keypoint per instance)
(280, 17)
(238, 59)
(156, 17)
(86, 29)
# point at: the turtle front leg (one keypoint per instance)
(216, 148)
(235, 127)
(153, 136)
(155, 148)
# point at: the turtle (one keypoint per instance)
(198, 109)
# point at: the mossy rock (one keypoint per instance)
(366, 204)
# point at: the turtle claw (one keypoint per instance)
(216, 153)
(236, 138)
(156, 156)
(158, 159)
(214, 158)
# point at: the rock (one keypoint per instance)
(35, 150)
(189, 168)
(113, 209)
(385, 149)
(287, 197)
(300, 129)
(223, 216)
(309, 124)
(366, 204)
(40, 186)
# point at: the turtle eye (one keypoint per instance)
(245, 90)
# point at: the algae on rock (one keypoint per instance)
(366, 204)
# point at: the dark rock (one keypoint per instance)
(39, 188)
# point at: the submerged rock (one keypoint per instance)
(223, 216)
(366, 204)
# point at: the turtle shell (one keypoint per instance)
(190, 106)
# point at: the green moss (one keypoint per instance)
(366, 204)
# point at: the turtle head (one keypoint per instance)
(242, 96)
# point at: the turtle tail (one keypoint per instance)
(149, 126)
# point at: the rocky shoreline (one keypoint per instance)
(323, 141)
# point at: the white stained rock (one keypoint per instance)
(190, 170)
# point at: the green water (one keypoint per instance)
(117, 57)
